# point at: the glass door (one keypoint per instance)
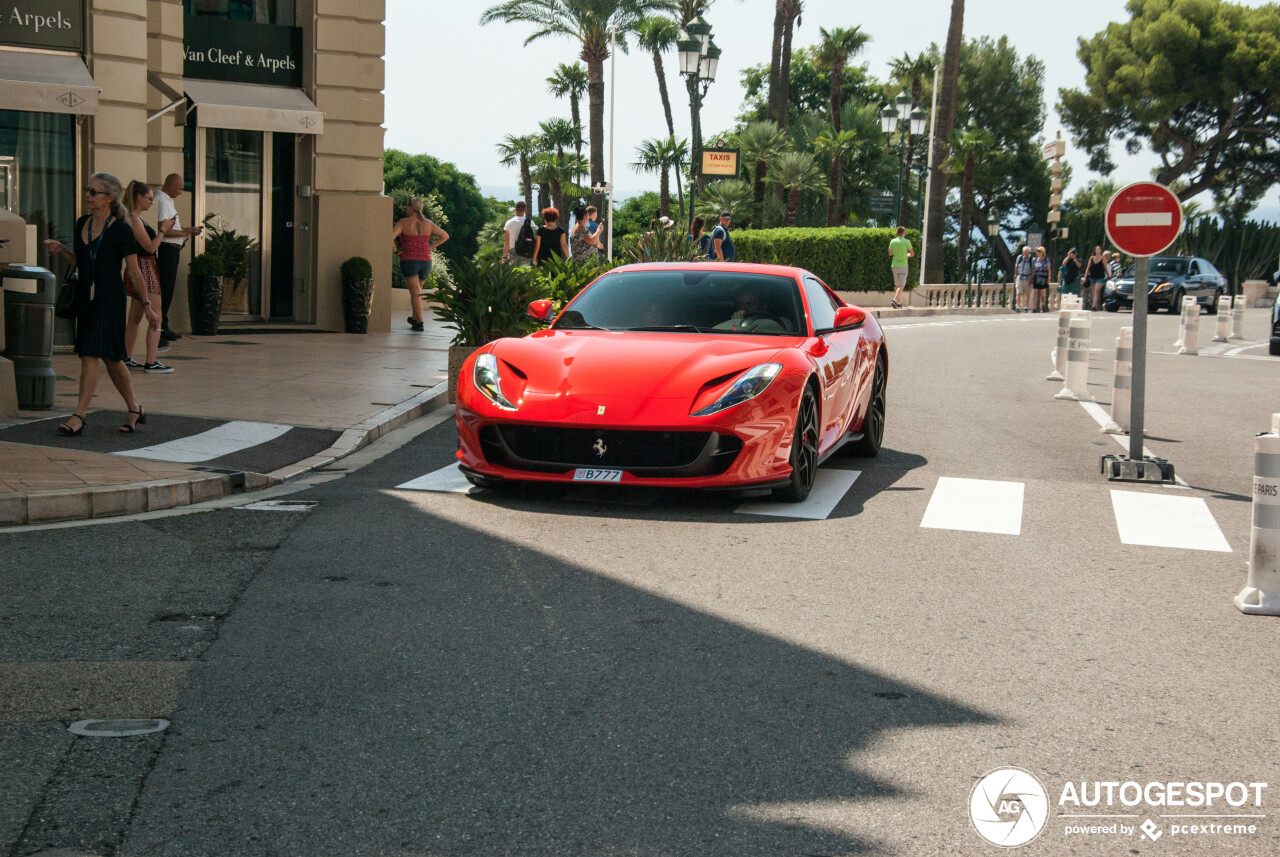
(232, 205)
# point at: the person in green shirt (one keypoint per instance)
(900, 250)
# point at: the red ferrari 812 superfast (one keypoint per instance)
(693, 375)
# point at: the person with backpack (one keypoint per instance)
(518, 238)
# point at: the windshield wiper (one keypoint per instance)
(673, 328)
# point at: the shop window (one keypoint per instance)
(38, 175)
(254, 11)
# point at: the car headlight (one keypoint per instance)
(1162, 287)
(748, 385)
(488, 382)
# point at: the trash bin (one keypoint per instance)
(28, 332)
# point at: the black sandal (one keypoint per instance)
(142, 418)
(67, 432)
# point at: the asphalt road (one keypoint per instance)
(556, 672)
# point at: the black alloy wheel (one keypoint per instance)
(804, 451)
(1213, 305)
(1175, 305)
(868, 445)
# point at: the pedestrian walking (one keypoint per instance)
(517, 245)
(698, 237)
(1070, 279)
(721, 240)
(581, 245)
(594, 235)
(416, 233)
(104, 246)
(900, 253)
(1115, 270)
(137, 199)
(1040, 282)
(1024, 268)
(551, 239)
(170, 251)
(1095, 277)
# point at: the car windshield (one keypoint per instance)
(703, 300)
(1161, 265)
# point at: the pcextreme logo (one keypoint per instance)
(1010, 807)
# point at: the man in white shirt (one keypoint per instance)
(511, 233)
(170, 248)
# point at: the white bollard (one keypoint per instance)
(1261, 593)
(1187, 303)
(1122, 386)
(1191, 335)
(1076, 388)
(1237, 317)
(1071, 302)
(1224, 320)
(1059, 354)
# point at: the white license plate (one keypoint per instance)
(594, 474)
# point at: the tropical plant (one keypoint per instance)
(562, 279)
(356, 268)
(761, 142)
(661, 157)
(561, 174)
(204, 265)
(657, 34)
(518, 150)
(660, 244)
(486, 302)
(943, 124)
(229, 247)
(832, 55)
(559, 133)
(731, 195)
(785, 16)
(914, 72)
(570, 80)
(836, 145)
(966, 149)
(797, 173)
(588, 23)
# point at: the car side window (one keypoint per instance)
(822, 307)
(1194, 270)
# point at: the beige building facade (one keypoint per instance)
(271, 110)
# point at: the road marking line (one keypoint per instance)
(1101, 417)
(829, 489)
(447, 480)
(1158, 520)
(214, 443)
(975, 505)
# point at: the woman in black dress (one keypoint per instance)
(104, 245)
(551, 239)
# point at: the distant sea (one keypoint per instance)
(511, 192)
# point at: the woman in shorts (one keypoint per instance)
(415, 233)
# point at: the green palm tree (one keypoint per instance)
(967, 147)
(761, 142)
(935, 217)
(518, 150)
(656, 34)
(557, 134)
(661, 157)
(731, 195)
(837, 145)
(570, 80)
(798, 174)
(560, 173)
(834, 52)
(786, 15)
(914, 72)
(587, 22)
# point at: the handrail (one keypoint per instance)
(980, 295)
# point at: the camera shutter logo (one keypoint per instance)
(1008, 807)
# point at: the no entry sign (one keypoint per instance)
(1143, 218)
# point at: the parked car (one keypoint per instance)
(1171, 279)
(1275, 329)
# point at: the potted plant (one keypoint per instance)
(486, 302)
(357, 294)
(233, 250)
(204, 293)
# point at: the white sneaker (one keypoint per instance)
(130, 363)
(157, 367)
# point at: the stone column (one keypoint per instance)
(118, 62)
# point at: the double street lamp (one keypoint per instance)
(699, 58)
(913, 122)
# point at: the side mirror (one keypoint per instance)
(850, 316)
(542, 311)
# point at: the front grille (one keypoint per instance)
(649, 453)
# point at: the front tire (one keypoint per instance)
(1175, 305)
(868, 446)
(804, 451)
(1212, 309)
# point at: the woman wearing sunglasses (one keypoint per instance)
(104, 246)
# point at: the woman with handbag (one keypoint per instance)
(104, 245)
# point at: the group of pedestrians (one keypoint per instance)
(1101, 266)
(125, 272)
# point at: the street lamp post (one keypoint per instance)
(993, 232)
(913, 124)
(699, 58)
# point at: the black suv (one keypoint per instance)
(1171, 278)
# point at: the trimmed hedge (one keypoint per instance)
(847, 259)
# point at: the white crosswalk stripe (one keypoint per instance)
(207, 445)
(829, 488)
(975, 505)
(448, 480)
(1160, 520)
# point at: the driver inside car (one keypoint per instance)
(751, 315)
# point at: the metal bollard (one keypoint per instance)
(1060, 350)
(1261, 593)
(1191, 333)
(1237, 317)
(1076, 388)
(1122, 386)
(28, 332)
(1224, 320)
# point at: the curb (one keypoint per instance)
(46, 507)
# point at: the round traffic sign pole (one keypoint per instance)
(1142, 219)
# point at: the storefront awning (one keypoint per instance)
(46, 83)
(253, 107)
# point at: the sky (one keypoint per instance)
(455, 88)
